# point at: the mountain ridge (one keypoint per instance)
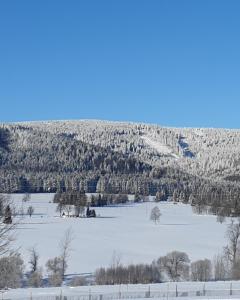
(149, 130)
(117, 121)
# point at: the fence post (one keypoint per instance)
(89, 297)
(148, 292)
(204, 290)
(176, 291)
(231, 292)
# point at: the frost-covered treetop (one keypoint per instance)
(200, 151)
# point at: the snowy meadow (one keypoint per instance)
(125, 231)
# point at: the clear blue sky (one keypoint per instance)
(169, 62)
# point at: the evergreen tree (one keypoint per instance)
(7, 215)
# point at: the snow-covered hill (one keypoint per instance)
(199, 166)
(200, 151)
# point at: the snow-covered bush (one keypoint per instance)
(11, 271)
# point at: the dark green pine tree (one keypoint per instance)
(7, 215)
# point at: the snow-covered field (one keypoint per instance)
(125, 230)
(184, 290)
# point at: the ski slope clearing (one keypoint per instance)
(125, 230)
(184, 290)
(159, 147)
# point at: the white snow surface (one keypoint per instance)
(125, 230)
(159, 147)
(213, 290)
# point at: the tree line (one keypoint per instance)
(176, 266)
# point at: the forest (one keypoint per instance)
(102, 157)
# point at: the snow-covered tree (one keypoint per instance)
(11, 271)
(155, 214)
(201, 270)
(176, 265)
(30, 211)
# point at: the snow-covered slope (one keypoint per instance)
(200, 151)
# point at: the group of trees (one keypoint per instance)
(71, 202)
(107, 199)
(176, 266)
(142, 273)
(54, 158)
(12, 266)
(57, 266)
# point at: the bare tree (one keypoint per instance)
(30, 211)
(68, 209)
(34, 258)
(221, 268)
(115, 260)
(221, 219)
(176, 265)
(232, 234)
(155, 214)
(235, 271)
(60, 207)
(26, 197)
(201, 270)
(79, 210)
(65, 249)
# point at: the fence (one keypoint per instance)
(228, 293)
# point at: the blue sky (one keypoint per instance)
(174, 63)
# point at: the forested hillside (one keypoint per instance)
(200, 166)
(200, 151)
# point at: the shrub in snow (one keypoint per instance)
(54, 269)
(54, 265)
(78, 281)
(30, 211)
(35, 279)
(55, 279)
(11, 271)
(155, 214)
